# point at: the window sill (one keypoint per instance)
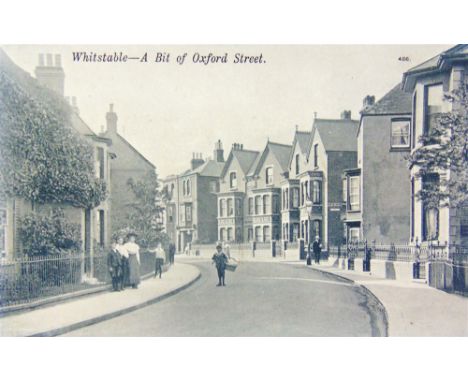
(400, 149)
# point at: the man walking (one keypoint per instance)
(172, 250)
(220, 259)
(317, 249)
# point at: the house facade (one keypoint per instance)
(128, 163)
(191, 205)
(375, 194)
(332, 149)
(290, 187)
(427, 83)
(235, 223)
(264, 192)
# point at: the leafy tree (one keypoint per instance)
(48, 235)
(42, 159)
(146, 211)
(445, 149)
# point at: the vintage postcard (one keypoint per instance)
(233, 190)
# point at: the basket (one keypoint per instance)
(231, 265)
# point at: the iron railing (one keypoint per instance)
(27, 279)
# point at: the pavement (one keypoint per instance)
(264, 297)
(414, 309)
(77, 313)
(259, 299)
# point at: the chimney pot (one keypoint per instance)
(41, 59)
(346, 114)
(111, 107)
(368, 101)
(49, 59)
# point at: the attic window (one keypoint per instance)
(233, 179)
(269, 175)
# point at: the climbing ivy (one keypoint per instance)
(42, 159)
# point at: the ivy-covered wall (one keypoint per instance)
(42, 159)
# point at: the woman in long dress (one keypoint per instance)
(133, 260)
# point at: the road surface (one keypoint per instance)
(260, 299)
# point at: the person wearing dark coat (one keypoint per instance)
(220, 260)
(317, 249)
(114, 263)
(172, 250)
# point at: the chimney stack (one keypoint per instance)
(197, 160)
(218, 152)
(50, 75)
(111, 120)
(237, 146)
(368, 101)
(346, 114)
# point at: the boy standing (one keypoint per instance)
(114, 262)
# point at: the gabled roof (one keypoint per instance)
(302, 139)
(280, 151)
(129, 145)
(396, 101)
(246, 158)
(435, 64)
(337, 134)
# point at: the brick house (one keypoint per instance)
(191, 205)
(375, 194)
(128, 163)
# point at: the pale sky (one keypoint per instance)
(167, 110)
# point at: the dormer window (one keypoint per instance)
(233, 179)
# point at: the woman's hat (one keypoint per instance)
(132, 233)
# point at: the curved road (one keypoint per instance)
(260, 299)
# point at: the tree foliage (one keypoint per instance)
(48, 235)
(146, 211)
(445, 150)
(41, 158)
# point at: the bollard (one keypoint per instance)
(253, 248)
(273, 248)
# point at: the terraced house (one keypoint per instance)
(290, 187)
(233, 223)
(264, 192)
